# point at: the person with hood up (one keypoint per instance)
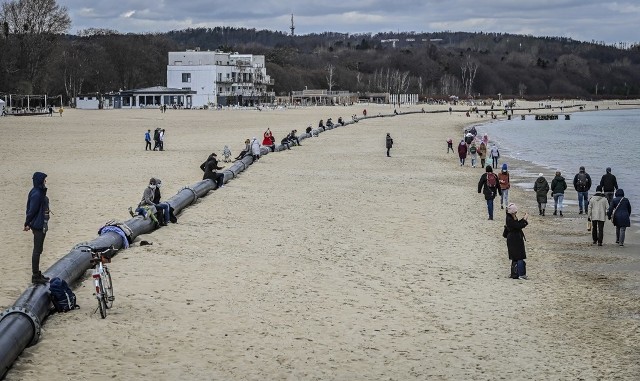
(619, 213)
(37, 220)
(505, 183)
(255, 149)
(462, 151)
(490, 187)
(515, 242)
(582, 184)
(388, 143)
(597, 214)
(609, 184)
(210, 169)
(146, 207)
(558, 186)
(541, 187)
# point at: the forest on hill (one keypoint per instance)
(41, 58)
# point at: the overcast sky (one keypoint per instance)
(585, 20)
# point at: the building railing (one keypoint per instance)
(318, 93)
(245, 94)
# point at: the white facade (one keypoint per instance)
(218, 76)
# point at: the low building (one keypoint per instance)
(154, 97)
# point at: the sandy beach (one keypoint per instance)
(326, 262)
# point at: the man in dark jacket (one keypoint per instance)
(210, 168)
(488, 185)
(558, 186)
(609, 184)
(37, 221)
(515, 242)
(582, 184)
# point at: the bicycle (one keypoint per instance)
(102, 277)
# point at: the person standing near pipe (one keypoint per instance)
(37, 221)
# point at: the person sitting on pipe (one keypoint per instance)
(321, 125)
(210, 168)
(146, 208)
(340, 121)
(269, 140)
(294, 138)
(285, 142)
(329, 123)
(246, 150)
(165, 211)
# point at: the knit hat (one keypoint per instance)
(582, 168)
(608, 169)
(504, 167)
(540, 175)
(599, 188)
(512, 208)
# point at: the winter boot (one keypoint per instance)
(543, 212)
(38, 278)
(555, 212)
(561, 213)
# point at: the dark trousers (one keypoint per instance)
(597, 228)
(219, 179)
(148, 145)
(388, 149)
(38, 245)
(450, 147)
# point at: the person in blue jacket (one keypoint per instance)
(37, 221)
(619, 213)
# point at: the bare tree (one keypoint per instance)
(521, 89)
(469, 69)
(35, 26)
(330, 76)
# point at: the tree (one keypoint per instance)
(330, 73)
(35, 27)
(469, 69)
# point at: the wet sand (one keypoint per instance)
(329, 261)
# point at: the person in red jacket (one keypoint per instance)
(462, 151)
(505, 184)
(269, 140)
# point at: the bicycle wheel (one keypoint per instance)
(108, 288)
(102, 304)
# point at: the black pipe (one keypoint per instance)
(20, 324)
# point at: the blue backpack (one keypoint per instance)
(62, 297)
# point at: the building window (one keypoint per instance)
(186, 77)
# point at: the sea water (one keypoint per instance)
(594, 139)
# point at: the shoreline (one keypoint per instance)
(368, 265)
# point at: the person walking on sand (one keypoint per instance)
(505, 183)
(582, 184)
(489, 186)
(462, 151)
(619, 213)
(147, 139)
(450, 145)
(60, 110)
(515, 242)
(609, 184)
(473, 151)
(495, 155)
(482, 153)
(597, 214)
(389, 144)
(541, 187)
(558, 186)
(37, 220)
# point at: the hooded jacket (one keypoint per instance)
(623, 212)
(558, 185)
(598, 205)
(37, 203)
(541, 187)
(515, 238)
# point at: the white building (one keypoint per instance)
(220, 78)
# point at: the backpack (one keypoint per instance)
(492, 180)
(582, 180)
(62, 297)
(473, 149)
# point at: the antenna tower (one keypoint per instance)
(292, 27)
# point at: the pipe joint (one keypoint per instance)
(33, 318)
(195, 195)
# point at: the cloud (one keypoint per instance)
(579, 19)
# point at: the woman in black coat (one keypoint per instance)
(619, 213)
(515, 242)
